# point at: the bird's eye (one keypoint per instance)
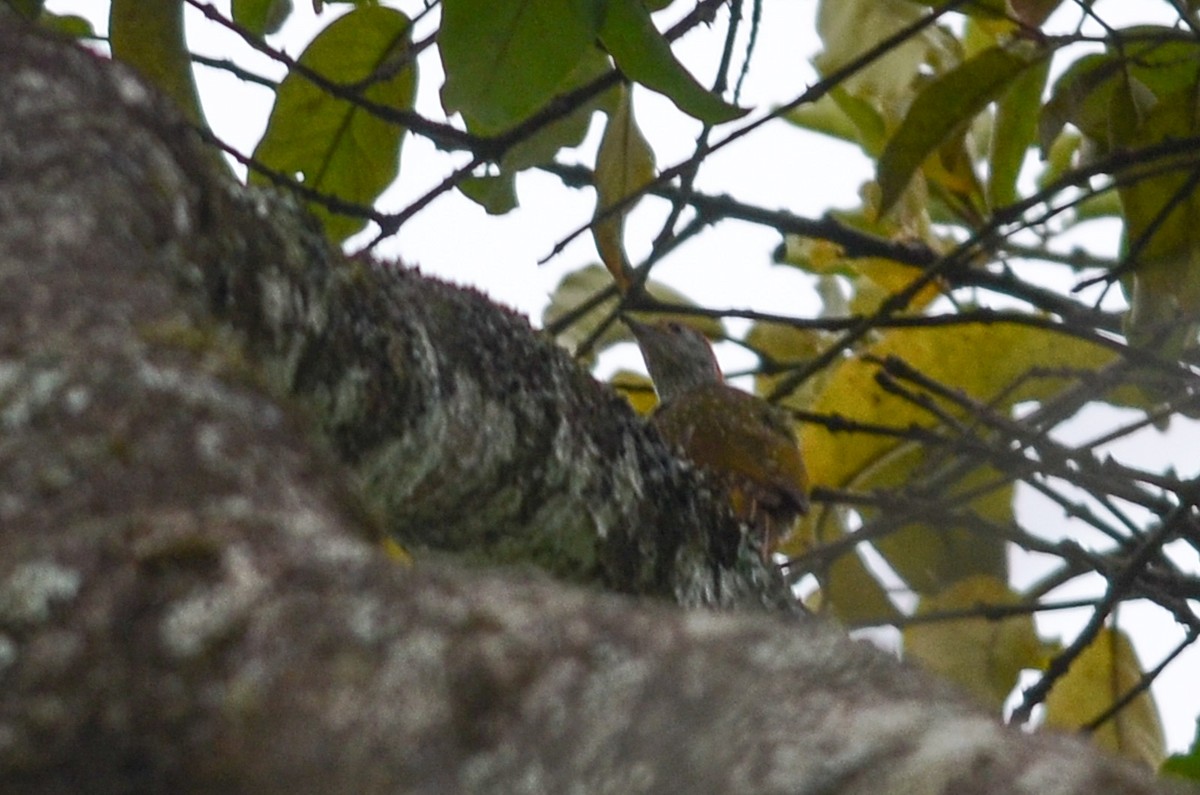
(674, 326)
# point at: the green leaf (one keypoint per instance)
(569, 131)
(1160, 59)
(1033, 12)
(67, 24)
(495, 193)
(1152, 65)
(986, 9)
(645, 57)
(505, 60)
(825, 117)
(261, 17)
(1162, 227)
(1013, 134)
(1060, 158)
(872, 128)
(1140, 95)
(30, 9)
(335, 146)
(1101, 205)
(1075, 99)
(1185, 765)
(938, 111)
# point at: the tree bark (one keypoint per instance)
(209, 419)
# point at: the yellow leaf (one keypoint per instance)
(981, 361)
(637, 389)
(873, 278)
(931, 552)
(785, 347)
(982, 655)
(581, 287)
(624, 166)
(951, 170)
(854, 595)
(1104, 672)
(396, 552)
(785, 344)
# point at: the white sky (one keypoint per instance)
(778, 167)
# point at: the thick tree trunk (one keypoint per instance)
(189, 599)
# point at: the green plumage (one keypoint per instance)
(741, 440)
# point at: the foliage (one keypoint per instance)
(1106, 670)
(1187, 765)
(939, 380)
(335, 146)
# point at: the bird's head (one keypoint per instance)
(678, 357)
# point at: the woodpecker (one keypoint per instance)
(744, 443)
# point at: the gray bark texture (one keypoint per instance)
(207, 421)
